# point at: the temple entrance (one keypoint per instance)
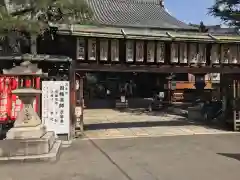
(106, 114)
(231, 100)
(104, 90)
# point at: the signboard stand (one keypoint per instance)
(55, 106)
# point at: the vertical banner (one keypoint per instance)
(150, 51)
(192, 53)
(160, 52)
(92, 54)
(183, 53)
(5, 99)
(55, 106)
(202, 53)
(238, 53)
(115, 50)
(139, 51)
(103, 49)
(80, 49)
(234, 54)
(215, 55)
(174, 52)
(129, 51)
(225, 54)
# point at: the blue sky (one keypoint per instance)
(191, 11)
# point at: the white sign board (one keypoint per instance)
(55, 106)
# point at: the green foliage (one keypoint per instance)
(228, 11)
(36, 16)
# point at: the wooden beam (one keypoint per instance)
(157, 69)
(213, 37)
(124, 34)
(170, 35)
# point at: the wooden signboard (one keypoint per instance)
(92, 49)
(225, 54)
(80, 49)
(202, 53)
(139, 51)
(234, 54)
(160, 52)
(192, 53)
(115, 50)
(174, 52)
(215, 54)
(183, 53)
(103, 49)
(129, 51)
(150, 51)
(238, 53)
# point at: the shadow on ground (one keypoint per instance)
(121, 125)
(230, 155)
(180, 120)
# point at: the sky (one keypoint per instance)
(191, 11)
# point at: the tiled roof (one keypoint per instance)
(134, 13)
(220, 30)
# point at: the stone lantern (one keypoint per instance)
(29, 137)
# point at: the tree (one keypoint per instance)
(20, 19)
(228, 11)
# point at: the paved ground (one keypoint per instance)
(199, 157)
(103, 124)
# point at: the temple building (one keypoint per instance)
(136, 49)
(138, 42)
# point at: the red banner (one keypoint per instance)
(10, 104)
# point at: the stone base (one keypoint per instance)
(22, 149)
(51, 156)
(26, 132)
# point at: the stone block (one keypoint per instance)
(26, 132)
(51, 156)
(26, 147)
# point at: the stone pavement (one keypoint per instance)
(107, 123)
(200, 157)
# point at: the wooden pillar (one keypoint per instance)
(79, 127)
(82, 105)
(72, 98)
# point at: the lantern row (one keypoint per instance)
(180, 52)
